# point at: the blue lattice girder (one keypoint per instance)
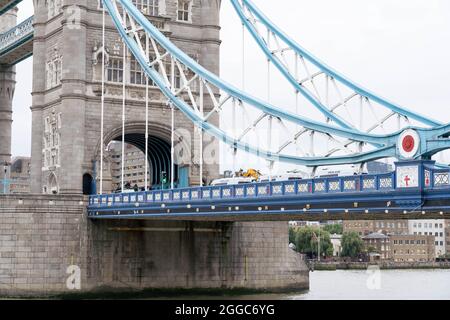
(248, 4)
(388, 143)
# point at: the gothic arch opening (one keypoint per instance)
(88, 184)
(158, 157)
(52, 185)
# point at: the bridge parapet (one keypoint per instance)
(411, 187)
(15, 43)
(36, 202)
(303, 187)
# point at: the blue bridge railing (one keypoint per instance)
(16, 36)
(432, 179)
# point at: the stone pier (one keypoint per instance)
(42, 235)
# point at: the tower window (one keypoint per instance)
(115, 70)
(184, 10)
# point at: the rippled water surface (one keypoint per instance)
(358, 284)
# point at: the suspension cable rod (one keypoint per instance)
(102, 138)
(172, 125)
(124, 92)
(146, 115)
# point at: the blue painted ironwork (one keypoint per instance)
(239, 6)
(359, 193)
(215, 80)
(272, 189)
(432, 140)
(16, 37)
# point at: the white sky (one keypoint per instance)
(399, 49)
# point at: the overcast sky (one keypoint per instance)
(399, 49)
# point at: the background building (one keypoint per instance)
(366, 227)
(380, 243)
(447, 236)
(434, 228)
(20, 175)
(134, 166)
(377, 167)
(412, 248)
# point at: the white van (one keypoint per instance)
(231, 181)
(339, 171)
(284, 177)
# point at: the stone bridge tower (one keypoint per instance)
(67, 89)
(7, 86)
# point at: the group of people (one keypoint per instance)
(135, 188)
(128, 186)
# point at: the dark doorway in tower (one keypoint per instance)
(158, 157)
(88, 184)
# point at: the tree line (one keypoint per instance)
(306, 241)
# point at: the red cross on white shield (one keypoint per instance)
(407, 179)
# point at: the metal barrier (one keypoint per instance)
(301, 187)
(17, 35)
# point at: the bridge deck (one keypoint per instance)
(354, 197)
(17, 43)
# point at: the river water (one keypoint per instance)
(365, 285)
(385, 284)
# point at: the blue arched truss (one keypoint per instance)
(432, 139)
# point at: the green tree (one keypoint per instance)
(352, 244)
(292, 234)
(306, 241)
(334, 228)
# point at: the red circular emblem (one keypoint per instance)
(408, 143)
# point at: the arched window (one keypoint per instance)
(53, 184)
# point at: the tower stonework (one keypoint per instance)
(66, 109)
(44, 236)
(7, 86)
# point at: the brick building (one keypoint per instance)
(366, 227)
(380, 243)
(412, 248)
(447, 237)
(429, 227)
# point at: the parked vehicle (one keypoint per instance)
(231, 181)
(284, 177)
(339, 171)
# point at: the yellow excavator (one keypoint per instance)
(250, 173)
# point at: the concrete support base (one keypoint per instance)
(41, 236)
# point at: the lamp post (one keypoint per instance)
(318, 246)
(163, 179)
